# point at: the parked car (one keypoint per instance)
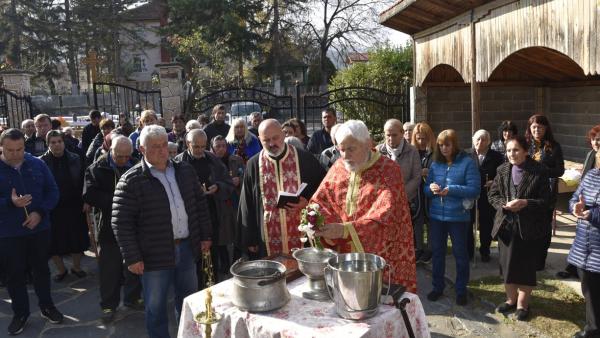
(243, 110)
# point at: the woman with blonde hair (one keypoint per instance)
(452, 186)
(242, 142)
(424, 140)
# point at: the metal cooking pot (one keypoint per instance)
(259, 286)
(356, 280)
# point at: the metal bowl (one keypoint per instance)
(312, 261)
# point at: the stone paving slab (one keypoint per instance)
(78, 300)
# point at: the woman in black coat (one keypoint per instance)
(68, 231)
(519, 194)
(546, 151)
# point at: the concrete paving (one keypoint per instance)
(78, 299)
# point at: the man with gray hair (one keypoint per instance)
(407, 156)
(100, 181)
(213, 177)
(161, 222)
(255, 119)
(365, 206)
(28, 128)
(488, 161)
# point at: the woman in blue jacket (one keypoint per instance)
(241, 142)
(585, 251)
(452, 185)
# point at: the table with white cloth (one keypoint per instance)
(300, 317)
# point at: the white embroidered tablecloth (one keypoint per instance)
(300, 317)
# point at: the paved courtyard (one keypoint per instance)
(78, 300)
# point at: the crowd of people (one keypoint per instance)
(153, 204)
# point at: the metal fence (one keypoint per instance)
(114, 98)
(371, 105)
(14, 109)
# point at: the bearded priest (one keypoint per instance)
(264, 228)
(365, 206)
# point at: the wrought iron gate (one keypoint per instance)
(14, 108)
(114, 98)
(371, 105)
(243, 101)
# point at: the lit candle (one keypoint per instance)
(208, 304)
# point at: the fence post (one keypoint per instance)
(298, 100)
(95, 97)
(17, 81)
(171, 89)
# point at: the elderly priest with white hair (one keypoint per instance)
(365, 206)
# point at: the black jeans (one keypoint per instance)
(18, 254)
(113, 273)
(590, 287)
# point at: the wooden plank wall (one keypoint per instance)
(571, 27)
(503, 27)
(451, 46)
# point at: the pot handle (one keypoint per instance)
(278, 276)
(389, 278)
(240, 260)
(328, 280)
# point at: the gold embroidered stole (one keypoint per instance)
(280, 228)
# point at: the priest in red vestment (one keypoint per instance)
(263, 228)
(365, 206)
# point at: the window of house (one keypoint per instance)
(139, 64)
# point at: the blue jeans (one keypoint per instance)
(156, 285)
(458, 232)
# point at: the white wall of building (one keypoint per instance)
(139, 62)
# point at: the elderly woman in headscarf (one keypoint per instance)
(241, 142)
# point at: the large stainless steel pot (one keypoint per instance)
(355, 280)
(259, 286)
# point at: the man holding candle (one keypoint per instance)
(28, 193)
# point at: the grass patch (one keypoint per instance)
(556, 310)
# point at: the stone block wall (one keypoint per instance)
(573, 112)
(450, 108)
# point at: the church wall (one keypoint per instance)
(450, 108)
(573, 112)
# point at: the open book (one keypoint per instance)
(284, 197)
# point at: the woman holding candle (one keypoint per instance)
(519, 194)
(452, 186)
(585, 252)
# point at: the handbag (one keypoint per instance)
(508, 226)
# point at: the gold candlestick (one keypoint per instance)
(209, 316)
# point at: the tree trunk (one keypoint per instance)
(323, 66)
(14, 52)
(71, 61)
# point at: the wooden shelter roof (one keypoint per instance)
(412, 16)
